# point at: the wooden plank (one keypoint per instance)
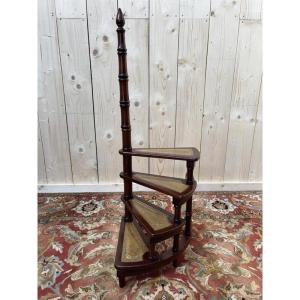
(134, 8)
(104, 60)
(223, 33)
(190, 87)
(194, 9)
(246, 86)
(164, 8)
(52, 118)
(78, 96)
(251, 10)
(164, 25)
(255, 171)
(137, 61)
(74, 51)
(42, 176)
(50, 88)
(56, 147)
(70, 8)
(83, 148)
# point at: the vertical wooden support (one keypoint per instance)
(190, 170)
(152, 253)
(177, 215)
(188, 217)
(121, 279)
(124, 104)
(188, 211)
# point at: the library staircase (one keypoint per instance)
(145, 224)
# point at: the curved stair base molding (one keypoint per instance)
(145, 224)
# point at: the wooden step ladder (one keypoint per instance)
(145, 224)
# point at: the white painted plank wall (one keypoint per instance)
(104, 66)
(137, 34)
(246, 87)
(70, 9)
(194, 80)
(51, 105)
(251, 10)
(255, 172)
(134, 9)
(164, 34)
(223, 36)
(75, 64)
(137, 30)
(193, 36)
(42, 177)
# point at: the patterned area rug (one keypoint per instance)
(78, 237)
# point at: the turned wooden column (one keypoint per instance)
(190, 172)
(124, 104)
(121, 278)
(188, 217)
(188, 211)
(177, 215)
(152, 253)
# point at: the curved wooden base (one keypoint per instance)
(144, 265)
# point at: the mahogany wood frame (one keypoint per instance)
(124, 105)
(151, 260)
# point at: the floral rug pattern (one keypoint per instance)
(77, 239)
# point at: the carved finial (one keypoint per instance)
(120, 18)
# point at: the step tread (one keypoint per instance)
(184, 153)
(176, 187)
(153, 223)
(133, 246)
(153, 216)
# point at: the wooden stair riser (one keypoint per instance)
(144, 235)
(158, 237)
(149, 266)
(148, 239)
